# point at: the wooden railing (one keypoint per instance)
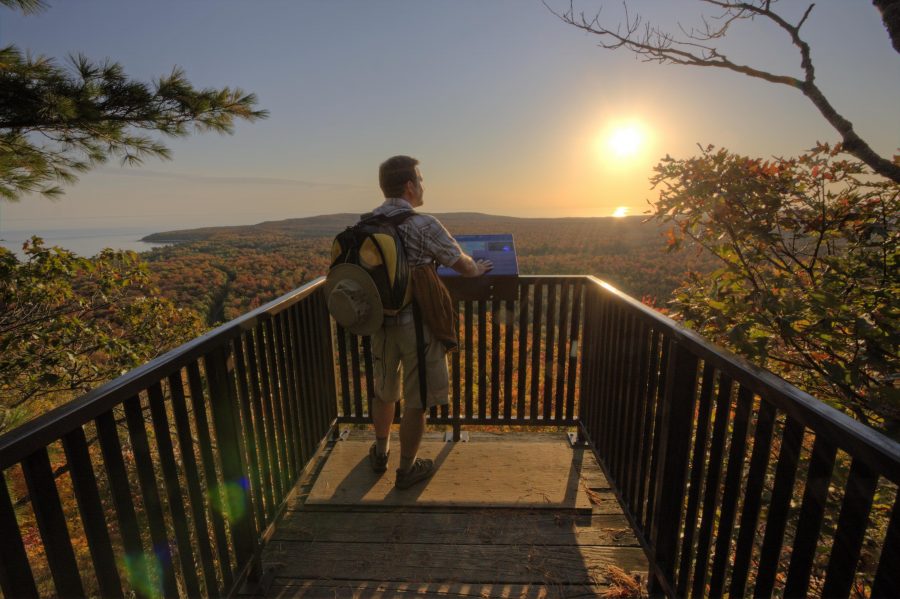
(517, 364)
(734, 481)
(109, 508)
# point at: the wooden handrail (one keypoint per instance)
(48, 427)
(879, 451)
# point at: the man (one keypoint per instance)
(426, 241)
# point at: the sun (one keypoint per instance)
(626, 140)
(620, 212)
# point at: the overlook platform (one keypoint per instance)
(505, 515)
(215, 470)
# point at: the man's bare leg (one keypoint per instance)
(412, 426)
(382, 417)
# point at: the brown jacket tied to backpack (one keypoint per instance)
(435, 304)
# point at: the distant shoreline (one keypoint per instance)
(328, 225)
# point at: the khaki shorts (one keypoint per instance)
(394, 345)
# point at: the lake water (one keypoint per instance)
(85, 242)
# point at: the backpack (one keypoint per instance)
(374, 244)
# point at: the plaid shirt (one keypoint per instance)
(425, 238)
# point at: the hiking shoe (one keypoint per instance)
(421, 469)
(379, 462)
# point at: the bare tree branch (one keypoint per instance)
(696, 48)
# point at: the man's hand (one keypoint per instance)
(484, 266)
(468, 267)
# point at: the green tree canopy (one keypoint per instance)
(56, 122)
(809, 279)
(68, 324)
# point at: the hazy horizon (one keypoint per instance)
(509, 109)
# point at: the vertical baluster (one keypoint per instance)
(278, 405)
(887, 577)
(356, 373)
(710, 495)
(457, 376)
(561, 355)
(209, 470)
(273, 429)
(117, 475)
(173, 489)
(759, 462)
(470, 350)
(698, 466)
(733, 474)
(263, 433)
(495, 359)
(602, 350)
(647, 433)
(16, 579)
(610, 382)
(776, 519)
(812, 512)
(851, 530)
(230, 445)
(342, 367)
(90, 506)
(321, 319)
(656, 398)
(306, 372)
(143, 462)
(509, 330)
(536, 350)
(482, 359)
(286, 393)
(287, 346)
(252, 442)
(631, 371)
(677, 410)
(576, 343)
(522, 372)
(587, 406)
(197, 499)
(639, 419)
(370, 371)
(548, 347)
(51, 522)
(614, 402)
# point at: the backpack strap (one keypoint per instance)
(420, 354)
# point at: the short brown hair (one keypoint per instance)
(394, 173)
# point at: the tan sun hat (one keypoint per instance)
(353, 299)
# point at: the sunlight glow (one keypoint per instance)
(620, 212)
(626, 140)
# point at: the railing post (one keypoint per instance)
(223, 400)
(676, 417)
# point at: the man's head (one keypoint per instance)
(399, 177)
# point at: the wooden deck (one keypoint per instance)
(517, 515)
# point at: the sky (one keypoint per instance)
(509, 110)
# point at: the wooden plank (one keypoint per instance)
(470, 563)
(189, 465)
(153, 507)
(90, 506)
(476, 474)
(353, 589)
(522, 373)
(509, 311)
(174, 495)
(465, 527)
(51, 521)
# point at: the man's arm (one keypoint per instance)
(468, 267)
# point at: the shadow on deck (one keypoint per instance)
(511, 515)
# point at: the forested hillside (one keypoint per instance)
(223, 272)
